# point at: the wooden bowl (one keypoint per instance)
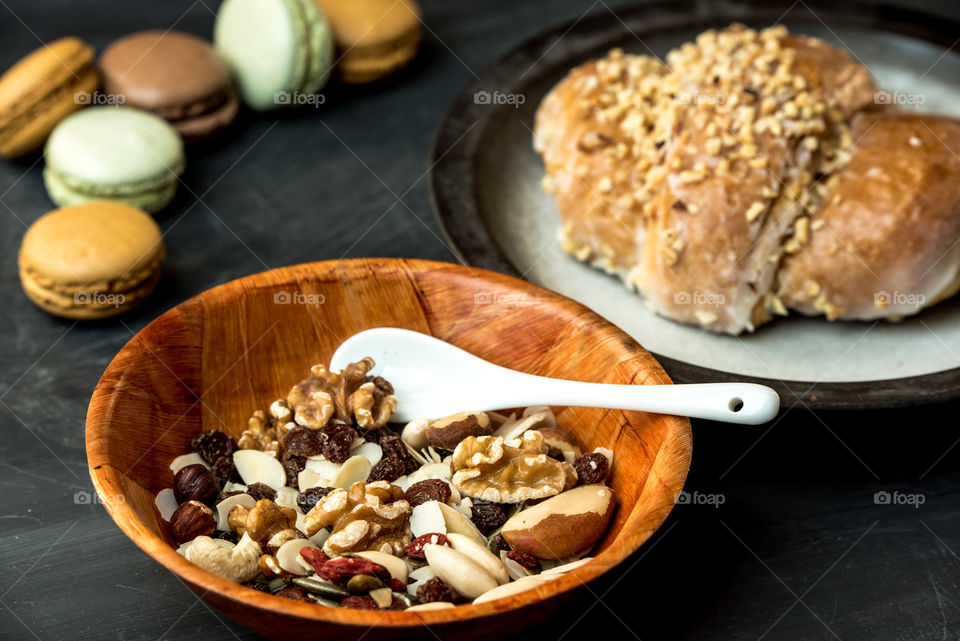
(213, 360)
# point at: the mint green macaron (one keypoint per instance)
(281, 51)
(113, 153)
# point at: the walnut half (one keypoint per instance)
(347, 395)
(366, 516)
(489, 468)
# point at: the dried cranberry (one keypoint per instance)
(591, 468)
(315, 557)
(302, 441)
(394, 447)
(526, 560)
(414, 549)
(387, 469)
(337, 439)
(396, 584)
(428, 490)
(294, 593)
(434, 590)
(293, 465)
(340, 570)
(260, 491)
(487, 516)
(225, 470)
(309, 497)
(212, 445)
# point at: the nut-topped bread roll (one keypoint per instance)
(692, 179)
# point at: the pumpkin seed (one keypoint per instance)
(320, 587)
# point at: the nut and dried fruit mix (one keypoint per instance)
(323, 500)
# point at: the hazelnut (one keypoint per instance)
(195, 483)
(192, 519)
(448, 432)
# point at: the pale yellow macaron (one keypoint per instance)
(91, 261)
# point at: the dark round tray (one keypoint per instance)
(459, 149)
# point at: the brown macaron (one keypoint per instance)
(41, 90)
(374, 37)
(176, 76)
(91, 261)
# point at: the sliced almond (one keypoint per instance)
(480, 555)
(568, 567)
(311, 478)
(324, 468)
(355, 468)
(427, 519)
(227, 504)
(457, 523)
(259, 467)
(431, 471)
(458, 571)
(514, 569)
(187, 459)
(166, 503)
(288, 556)
(511, 431)
(419, 577)
(383, 596)
(287, 497)
(370, 451)
(395, 565)
(433, 605)
(514, 587)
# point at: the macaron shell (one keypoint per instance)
(151, 196)
(40, 90)
(92, 260)
(273, 46)
(176, 76)
(113, 152)
(374, 37)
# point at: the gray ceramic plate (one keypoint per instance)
(485, 188)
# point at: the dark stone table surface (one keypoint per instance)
(785, 536)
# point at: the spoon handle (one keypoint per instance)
(744, 403)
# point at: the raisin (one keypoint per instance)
(367, 603)
(487, 516)
(228, 535)
(225, 495)
(226, 471)
(315, 557)
(526, 560)
(260, 586)
(293, 465)
(414, 549)
(387, 469)
(309, 497)
(428, 490)
(340, 570)
(337, 440)
(394, 447)
(260, 491)
(294, 593)
(591, 468)
(358, 602)
(396, 584)
(211, 445)
(381, 386)
(301, 441)
(434, 590)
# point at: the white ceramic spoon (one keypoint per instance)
(433, 379)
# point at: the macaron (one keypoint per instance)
(279, 50)
(91, 261)
(374, 37)
(176, 76)
(41, 90)
(114, 153)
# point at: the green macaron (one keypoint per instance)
(113, 153)
(281, 51)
